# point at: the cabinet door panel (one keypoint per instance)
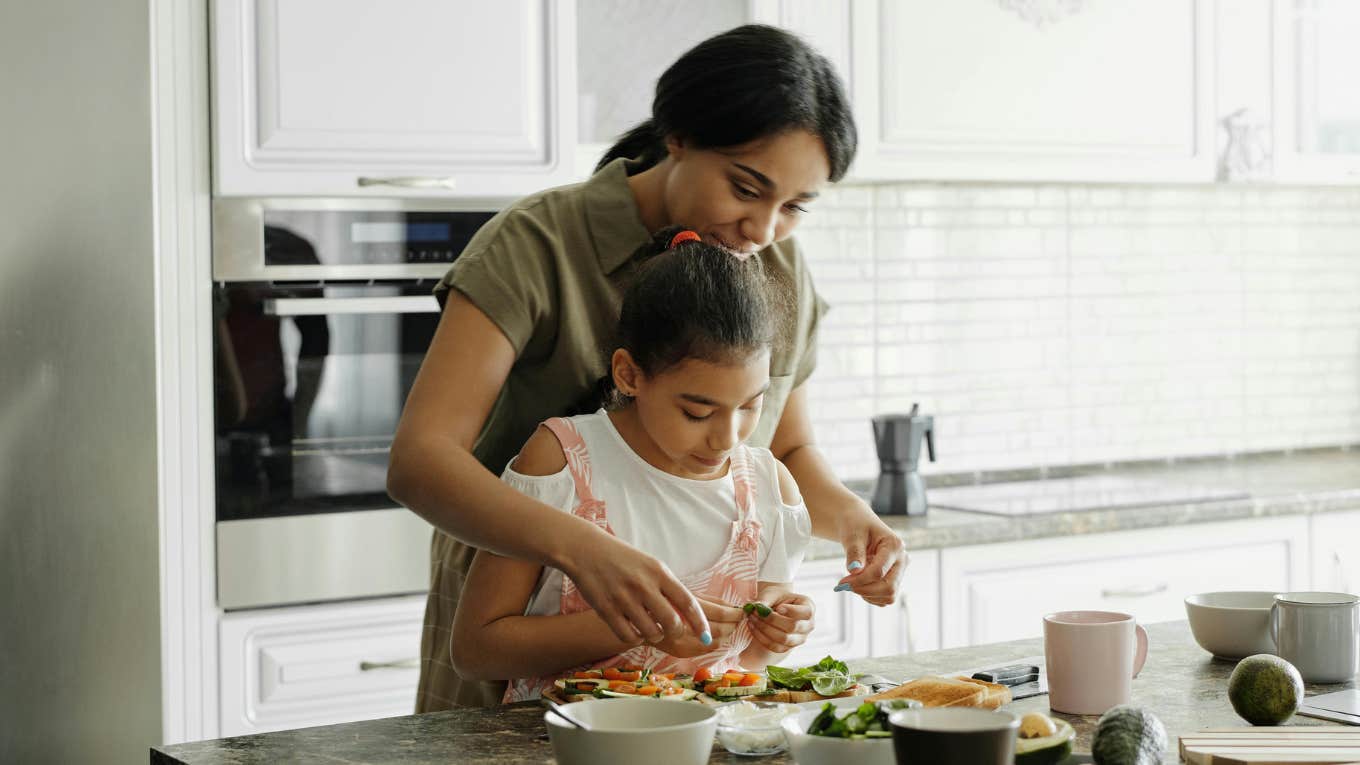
(993, 593)
(1061, 91)
(1336, 552)
(311, 95)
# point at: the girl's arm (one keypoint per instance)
(432, 471)
(494, 640)
(875, 556)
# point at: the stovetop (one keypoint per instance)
(1079, 493)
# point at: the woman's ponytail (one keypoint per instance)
(644, 142)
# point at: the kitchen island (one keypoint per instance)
(1181, 683)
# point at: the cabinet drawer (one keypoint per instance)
(319, 665)
(1000, 592)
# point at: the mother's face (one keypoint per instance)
(745, 197)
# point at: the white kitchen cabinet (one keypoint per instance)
(1034, 91)
(1000, 592)
(317, 665)
(848, 628)
(1317, 106)
(623, 47)
(351, 97)
(1336, 551)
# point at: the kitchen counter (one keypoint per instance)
(1256, 486)
(1181, 684)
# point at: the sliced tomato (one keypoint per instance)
(709, 688)
(702, 675)
(631, 677)
(590, 674)
(750, 679)
(673, 691)
(648, 690)
(620, 686)
(735, 677)
(611, 673)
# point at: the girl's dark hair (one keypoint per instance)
(694, 300)
(749, 82)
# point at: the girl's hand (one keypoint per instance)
(789, 623)
(634, 593)
(878, 578)
(722, 620)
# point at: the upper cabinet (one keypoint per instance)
(352, 97)
(623, 47)
(1317, 103)
(1015, 90)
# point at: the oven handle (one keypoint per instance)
(324, 305)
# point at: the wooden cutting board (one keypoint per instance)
(1280, 745)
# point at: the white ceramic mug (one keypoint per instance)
(1092, 658)
(1319, 633)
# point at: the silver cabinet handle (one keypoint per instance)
(410, 182)
(322, 306)
(1134, 593)
(369, 666)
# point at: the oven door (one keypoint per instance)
(310, 380)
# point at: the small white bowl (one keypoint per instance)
(824, 750)
(626, 731)
(1231, 625)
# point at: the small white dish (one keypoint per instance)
(622, 730)
(1232, 624)
(807, 749)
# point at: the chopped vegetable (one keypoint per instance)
(759, 609)
(750, 679)
(702, 675)
(868, 720)
(827, 677)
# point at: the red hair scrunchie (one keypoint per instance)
(685, 236)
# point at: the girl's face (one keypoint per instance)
(696, 412)
(745, 197)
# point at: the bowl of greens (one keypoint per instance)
(844, 730)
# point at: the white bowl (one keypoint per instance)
(626, 731)
(1231, 625)
(807, 749)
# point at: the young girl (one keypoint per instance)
(666, 470)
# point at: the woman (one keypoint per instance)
(746, 130)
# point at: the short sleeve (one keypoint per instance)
(786, 532)
(556, 489)
(507, 272)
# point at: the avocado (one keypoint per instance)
(1047, 749)
(1265, 689)
(1128, 735)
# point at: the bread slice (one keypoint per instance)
(997, 694)
(935, 691)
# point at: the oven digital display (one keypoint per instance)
(388, 232)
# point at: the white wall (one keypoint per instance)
(1058, 324)
(79, 584)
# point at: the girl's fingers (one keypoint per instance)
(775, 639)
(684, 604)
(721, 612)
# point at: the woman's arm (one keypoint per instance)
(836, 512)
(432, 471)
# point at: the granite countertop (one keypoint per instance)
(1254, 486)
(1180, 683)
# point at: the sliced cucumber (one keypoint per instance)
(737, 691)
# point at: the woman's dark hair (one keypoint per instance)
(693, 300)
(749, 82)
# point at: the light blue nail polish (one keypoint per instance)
(706, 639)
(854, 565)
(837, 588)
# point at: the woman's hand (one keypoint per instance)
(875, 557)
(634, 593)
(722, 621)
(789, 622)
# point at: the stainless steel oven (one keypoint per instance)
(322, 313)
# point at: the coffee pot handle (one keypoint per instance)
(930, 443)
(1140, 654)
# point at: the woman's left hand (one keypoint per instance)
(789, 622)
(875, 556)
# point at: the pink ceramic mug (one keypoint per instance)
(1092, 658)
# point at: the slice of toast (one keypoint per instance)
(935, 691)
(997, 694)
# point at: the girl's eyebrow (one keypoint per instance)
(705, 401)
(764, 180)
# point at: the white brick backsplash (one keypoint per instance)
(1058, 324)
